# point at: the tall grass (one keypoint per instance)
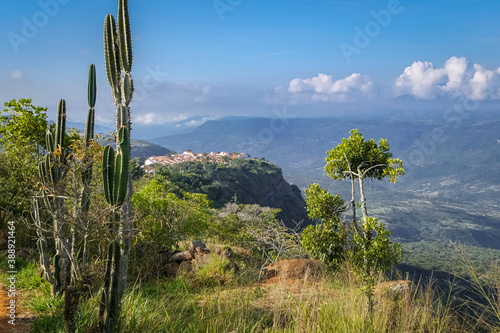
(212, 300)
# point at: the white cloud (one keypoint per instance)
(198, 122)
(455, 79)
(180, 117)
(484, 83)
(323, 88)
(148, 119)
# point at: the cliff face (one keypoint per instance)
(244, 181)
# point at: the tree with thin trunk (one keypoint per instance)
(358, 159)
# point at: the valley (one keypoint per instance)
(450, 191)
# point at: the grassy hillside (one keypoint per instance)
(216, 298)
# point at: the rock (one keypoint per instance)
(294, 268)
(181, 256)
(197, 247)
(171, 268)
(393, 288)
(185, 267)
(224, 253)
(201, 259)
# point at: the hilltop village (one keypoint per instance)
(189, 156)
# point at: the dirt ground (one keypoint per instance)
(23, 318)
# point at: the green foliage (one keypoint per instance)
(377, 253)
(23, 123)
(322, 205)
(165, 218)
(369, 158)
(325, 242)
(136, 172)
(258, 229)
(22, 139)
(369, 247)
(251, 181)
(328, 240)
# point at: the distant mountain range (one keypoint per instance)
(452, 187)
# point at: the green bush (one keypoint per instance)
(165, 219)
(324, 242)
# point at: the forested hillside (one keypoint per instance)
(249, 181)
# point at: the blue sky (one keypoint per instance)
(217, 58)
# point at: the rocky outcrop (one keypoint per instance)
(196, 256)
(294, 269)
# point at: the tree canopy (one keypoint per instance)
(362, 159)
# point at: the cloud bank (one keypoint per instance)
(456, 79)
(324, 88)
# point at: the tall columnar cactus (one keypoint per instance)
(52, 170)
(115, 178)
(118, 188)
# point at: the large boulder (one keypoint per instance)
(294, 268)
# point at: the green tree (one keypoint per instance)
(22, 121)
(358, 159)
(327, 240)
(22, 140)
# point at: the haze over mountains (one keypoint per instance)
(452, 186)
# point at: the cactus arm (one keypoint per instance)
(117, 179)
(41, 171)
(89, 126)
(92, 87)
(50, 170)
(127, 88)
(125, 36)
(89, 136)
(108, 167)
(49, 140)
(61, 124)
(123, 139)
(112, 56)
